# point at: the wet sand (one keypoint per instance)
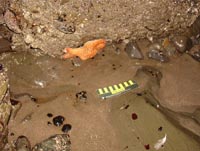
(97, 125)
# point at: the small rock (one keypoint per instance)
(81, 96)
(66, 128)
(49, 115)
(59, 142)
(133, 50)
(182, 43)
(22, 144)
(195, 52)
(58, 120)
(157, 52)
(134, 116)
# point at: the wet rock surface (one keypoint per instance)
(72, 23)
(54, 143)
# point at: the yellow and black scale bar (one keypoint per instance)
(110, 91)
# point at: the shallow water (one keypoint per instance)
(96, 125)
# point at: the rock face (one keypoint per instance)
(5, 108)
(55, 24)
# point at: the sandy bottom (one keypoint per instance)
(97, 125)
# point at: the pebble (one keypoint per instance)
(66, 128)
(160, 128)
(134, 116)
(195, 52)
(182, 43)
(133, 50)
(49, 114)
(58, 120)
(157, 52)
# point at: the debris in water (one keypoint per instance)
(139, 94)
(147, 146)
(40, 83)
(27, 118)
(160, 128)
(49, 123)
(81, 95)
(160, 143)
(49, 114)
(58, 120)
(124, 107)
(134, 116)
(66, 128)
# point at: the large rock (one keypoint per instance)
(55, 24)
(5, 108)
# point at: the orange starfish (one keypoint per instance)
(88, 50)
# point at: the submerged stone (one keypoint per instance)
(22, 144)
(66, 128)
(133, 51)
(55, 143)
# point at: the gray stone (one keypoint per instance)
(182, 43)
(133, 51)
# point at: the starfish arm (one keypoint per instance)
(67, 55)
